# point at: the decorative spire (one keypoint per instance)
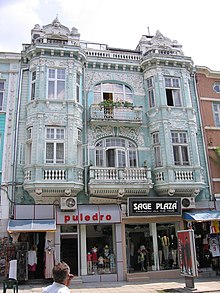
(56, 22)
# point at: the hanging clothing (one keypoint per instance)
(32, 260)
(49, 262)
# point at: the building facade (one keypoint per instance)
(109, 153)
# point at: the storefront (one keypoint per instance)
(91, 242)
(151, 227)
(31, 230)
(88, 239)
(205, 224)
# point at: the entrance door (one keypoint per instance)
(69, 252)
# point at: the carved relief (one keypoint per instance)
(178, 125)
(133, 80)
(55, 118)
(99, 132)
(133, 134)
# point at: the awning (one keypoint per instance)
(31, 225)
(202, 216)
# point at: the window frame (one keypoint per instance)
(173, 91)
(180, 147)
(113, 155)
(112, 89)
(54, 136)
(157, 149)
(216, 113)
(54, 81)
(151, 92)
(2, 94)
(33, 85)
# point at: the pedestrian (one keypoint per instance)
(62, 279)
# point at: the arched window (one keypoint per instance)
(116, 152)
(112, 92)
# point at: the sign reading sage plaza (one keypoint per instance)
(144, 206)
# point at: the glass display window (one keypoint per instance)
(101, 250)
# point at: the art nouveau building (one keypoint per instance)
(109, 153)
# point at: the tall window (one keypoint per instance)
(180, 148)
(172, 85)
(157, 151)
(2, 91)
(79, 147)
(56, 83)
(216, 110)
(77, 87)
(29, 145)
(116, 152)
(151, 97)
(55, 137)
(113, 92)
(33, 85)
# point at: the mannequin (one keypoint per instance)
(112, 262)
(173, 246)
(106, 257)
(101, 264)
(89, 263)
(165, 244)
(132, 254)
(141, 257)
(94, 258)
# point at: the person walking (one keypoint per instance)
(62, 279)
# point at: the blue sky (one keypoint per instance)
(119, 23)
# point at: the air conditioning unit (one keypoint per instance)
(68, 203)
(188, 202)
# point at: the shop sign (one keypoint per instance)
(90, 214)
(143, 207)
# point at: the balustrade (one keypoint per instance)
(54, 174)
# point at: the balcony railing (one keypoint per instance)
(98, 112)
(52, 174)
(138, 175)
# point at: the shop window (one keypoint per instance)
(101, 249)
(173, 94)
(116, 152)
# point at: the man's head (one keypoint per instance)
(61, 273)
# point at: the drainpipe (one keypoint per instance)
(16, 131)
(203, 140)
(85, 144)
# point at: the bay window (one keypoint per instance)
(55, 145)
(56, 83)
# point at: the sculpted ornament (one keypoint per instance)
(133, 80)
(55, 118)
(133, 134)
(178, 125)
(100, 132)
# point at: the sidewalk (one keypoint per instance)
(160, 286)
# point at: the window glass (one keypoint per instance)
(216, 109)
(101, 251)
(116, 152)
(180, 148)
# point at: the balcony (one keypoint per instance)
(108, 183)
(53, 180)
(187, 180)
(120, 114)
